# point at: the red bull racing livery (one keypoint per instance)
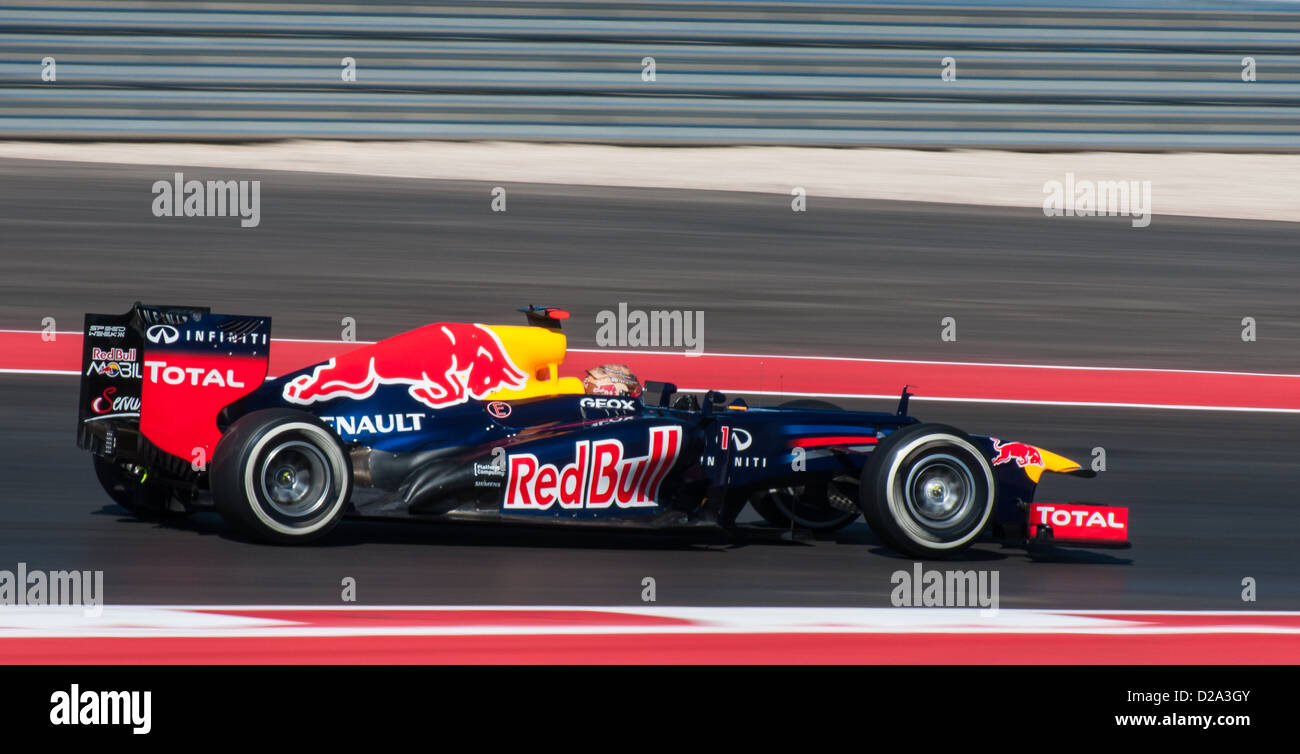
(443, 365)
(472, 422)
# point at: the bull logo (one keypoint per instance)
(444, 365)
(1023, 454)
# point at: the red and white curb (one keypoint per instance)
(26, 352)
(597, 635)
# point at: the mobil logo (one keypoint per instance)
(442, 365)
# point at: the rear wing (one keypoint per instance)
(154, 379)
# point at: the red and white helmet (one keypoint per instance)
(612, 379)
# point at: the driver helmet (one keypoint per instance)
(611, 379)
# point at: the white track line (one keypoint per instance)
(867, 360)
(779, 357)
(123, 621)
(856, 396)
(887, 397)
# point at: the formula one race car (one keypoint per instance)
(474, 422)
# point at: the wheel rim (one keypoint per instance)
(296, 479)
(939, 491)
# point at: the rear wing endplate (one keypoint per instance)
(165, 372)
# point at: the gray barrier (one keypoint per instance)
(1027, 74)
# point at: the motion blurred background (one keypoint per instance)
(857, 84)
(1044, 74)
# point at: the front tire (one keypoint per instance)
(928, 491)
(281, 475)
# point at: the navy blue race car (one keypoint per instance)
(456, 421)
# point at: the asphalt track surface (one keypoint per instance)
(1213, 494)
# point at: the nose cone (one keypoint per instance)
(1049, 461)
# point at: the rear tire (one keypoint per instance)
(809, 505)
(928, 491)
(281, 475)
(144, 499)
